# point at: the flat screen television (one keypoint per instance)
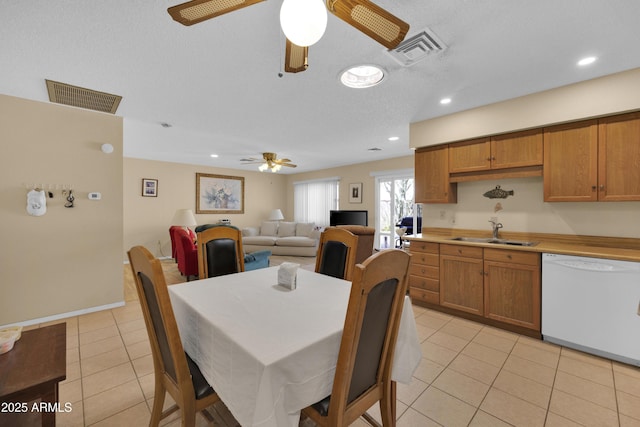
(349, 218)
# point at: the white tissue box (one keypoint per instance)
(287, 275)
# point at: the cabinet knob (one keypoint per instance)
(602, 188)
(593, 188)
(509, 256)
(488, 159)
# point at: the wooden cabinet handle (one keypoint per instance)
(593, 188)
(509, 256)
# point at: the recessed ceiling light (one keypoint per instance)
(214, 156)
(394, 138)
(586, 61)
(445, 101)
(362, 76)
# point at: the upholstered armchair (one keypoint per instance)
(186, 254)
(366, 237)
(172, 231)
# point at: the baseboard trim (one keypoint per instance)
(66, 315)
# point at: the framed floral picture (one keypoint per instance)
(219, 194)
(149, 187)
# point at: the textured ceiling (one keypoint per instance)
(217, 83)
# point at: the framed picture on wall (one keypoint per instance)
(149, 187)
(355, 192)
(219, 194)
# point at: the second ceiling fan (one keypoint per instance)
(363, 15)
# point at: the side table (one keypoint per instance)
(32, 371)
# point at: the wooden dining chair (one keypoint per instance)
(363, 370)
(174, 370)
(220, 251)
(337, 253)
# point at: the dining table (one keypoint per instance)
(269, 351)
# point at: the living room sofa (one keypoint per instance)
(282, 238)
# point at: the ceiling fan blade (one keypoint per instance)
(295, 58)
(195, 11)
(283, 161)
(289, 165)
(371, 19)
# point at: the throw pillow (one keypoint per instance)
(269, 228)
(304, 228)
(286, 229)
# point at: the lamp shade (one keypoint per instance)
(184, 218)
(276, 215)
(303, 21)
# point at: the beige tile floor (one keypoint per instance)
(470, 375)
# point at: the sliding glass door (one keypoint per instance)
(394, 201)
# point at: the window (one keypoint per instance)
(394, 201)
(312, 200)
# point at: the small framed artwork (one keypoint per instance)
(219, 194)
(355, 192)
(149, 187)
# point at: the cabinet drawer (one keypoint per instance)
(461, 250)
(424, 295)
(424, 283)
(509, 256)
(424, 271)
(418, 246)
(425, 258)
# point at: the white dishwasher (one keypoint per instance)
(592, 305)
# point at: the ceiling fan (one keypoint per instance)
(269, 161)
(363, 15)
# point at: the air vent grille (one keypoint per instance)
(62, 93)
(416, 48)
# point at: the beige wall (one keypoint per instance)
(525, 211)
(599, 97)
(69, 259)
(361, 172)
(147, 219)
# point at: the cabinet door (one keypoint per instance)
(571, 162)
(432, 176)
(619, 158)
(470, 156)
(461, 283)
(517, 149)
(512, 293)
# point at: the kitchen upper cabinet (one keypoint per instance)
(619, 158)
(512, 287)
(571, 162)
(461, 278)
(594, 160)
(432, 183)
(513, 150)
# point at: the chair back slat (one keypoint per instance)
(334, 259)
(151, 300)
(221, 257)
(373, 333)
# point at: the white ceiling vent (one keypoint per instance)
(416, 48)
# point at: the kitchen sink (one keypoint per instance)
(495, 241)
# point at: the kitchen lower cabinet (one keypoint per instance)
(424, 272)
(461, 278)
(512, 287)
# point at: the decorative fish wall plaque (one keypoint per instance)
(498, 193)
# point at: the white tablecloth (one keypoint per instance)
(269, 351)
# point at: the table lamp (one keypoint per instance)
(276, 215)
(184, 218)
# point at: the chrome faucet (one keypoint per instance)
(496, 227)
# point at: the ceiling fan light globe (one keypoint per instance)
(263, 167)
(303, 22)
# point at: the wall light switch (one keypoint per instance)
(95, 196)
